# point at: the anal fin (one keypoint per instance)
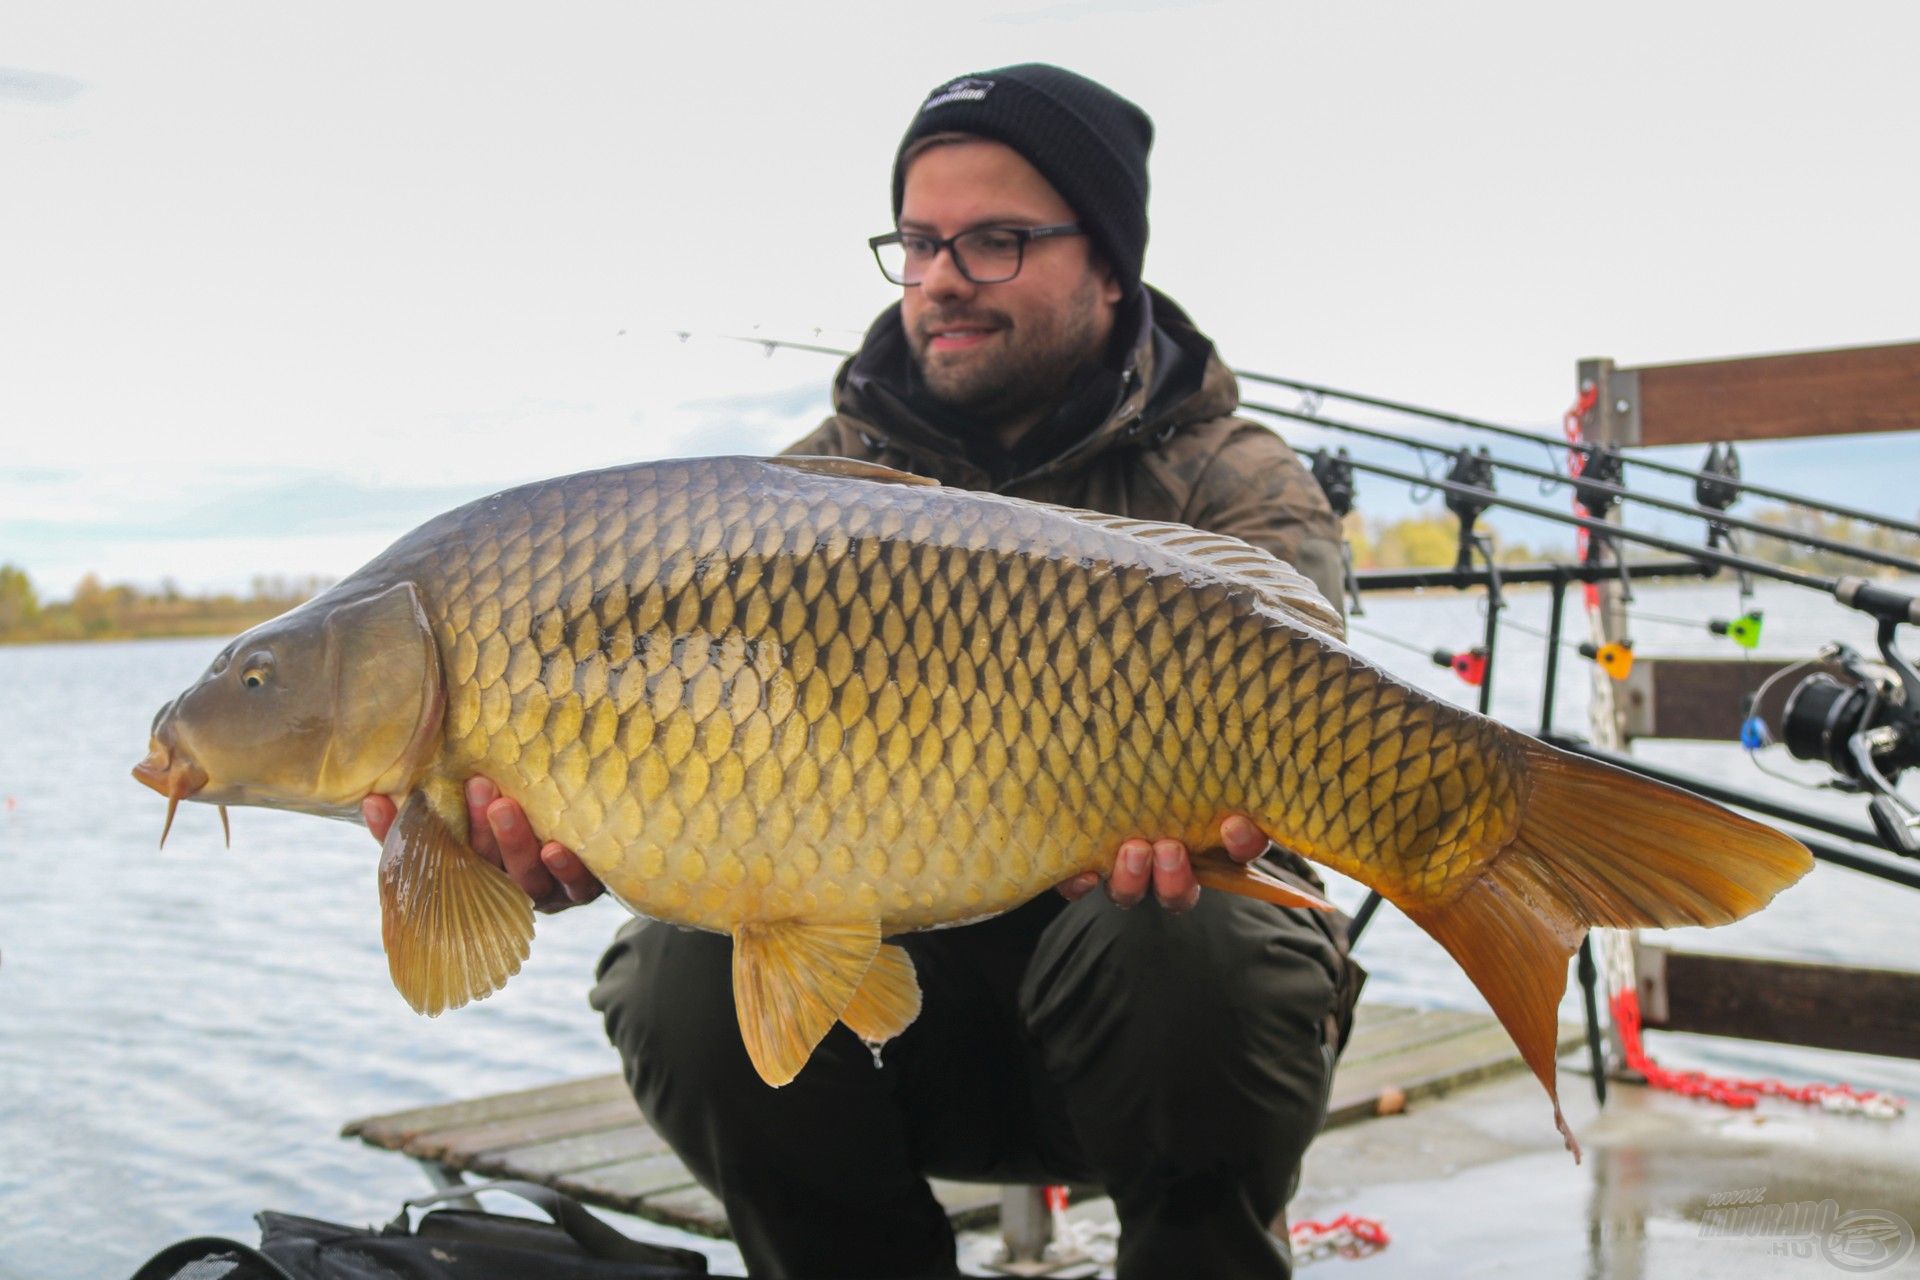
(888, 999)
(791, 982)
(1215, 870)
(455, 926)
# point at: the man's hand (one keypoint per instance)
(1163, 866)
(548, 873)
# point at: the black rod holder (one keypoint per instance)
(1530, 574)
(1551, 680)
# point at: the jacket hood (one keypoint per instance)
(1168, 378)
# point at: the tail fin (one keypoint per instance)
(1597, 846)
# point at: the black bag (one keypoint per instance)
(448, 1244)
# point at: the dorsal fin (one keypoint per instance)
(850, 468)
(1277, 582)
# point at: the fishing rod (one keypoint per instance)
(1589, 487)
(1730, 485)
(1855, 593)
(1735, 485)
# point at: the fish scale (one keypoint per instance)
(812, 702)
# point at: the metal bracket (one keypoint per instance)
(447, 1178)
(1026, 1232)
(1650, 977)
(1616, 413)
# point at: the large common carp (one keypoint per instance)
(811, 703)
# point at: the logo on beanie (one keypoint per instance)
(965, 89)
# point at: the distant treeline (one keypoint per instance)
(1420, 542)
(99, 611)
(1845, 529)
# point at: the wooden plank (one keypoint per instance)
(626, 1184)
(1403, 1034)
(1432, 1069)
(544, 1161)
(1805, 393)
(1370, 1014)
(691, 1208)
(587, 1137)
(1822, 1006)
(458, 1146)
(393, 1129)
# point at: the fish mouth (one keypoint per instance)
(173, 775)
(169, 772)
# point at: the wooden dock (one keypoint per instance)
(587, 1138)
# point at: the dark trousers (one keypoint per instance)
(1180, 1061)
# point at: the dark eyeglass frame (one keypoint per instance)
(1022, 235)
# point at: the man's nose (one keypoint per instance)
(942, 281)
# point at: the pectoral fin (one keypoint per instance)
(888, 999)
(456, 927)
(791, 981)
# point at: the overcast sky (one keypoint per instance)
(279, 281)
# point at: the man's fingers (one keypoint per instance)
(580, 884)
(517, 849)
(1132, 872)
(1079, 887)
(1242, 839)
(378, 813)
(481, 793)
(1173, 881)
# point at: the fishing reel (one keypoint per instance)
(1866, 729)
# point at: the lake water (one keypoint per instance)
(182, 1033)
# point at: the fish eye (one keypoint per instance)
(257, 671)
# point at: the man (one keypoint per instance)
(1179, 1053)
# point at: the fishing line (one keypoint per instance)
(1756, 737)
(1716, 626)
(1537, 437)
(1569, 645)
(1572, 646)
(1408, 645)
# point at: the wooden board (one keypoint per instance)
(1805, 393)
(587, 1138)
(1822, 1006)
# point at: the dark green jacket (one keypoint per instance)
(1168, 448)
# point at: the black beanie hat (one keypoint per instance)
(1084, 138)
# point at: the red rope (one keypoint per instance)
(1348, 1235)
(1574, 425)
(1730, 1091)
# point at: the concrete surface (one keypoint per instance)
(1477, 1183)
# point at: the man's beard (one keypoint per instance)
(1031, 370)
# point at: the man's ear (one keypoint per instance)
(1110, 290)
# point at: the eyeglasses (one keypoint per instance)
(985, 255)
